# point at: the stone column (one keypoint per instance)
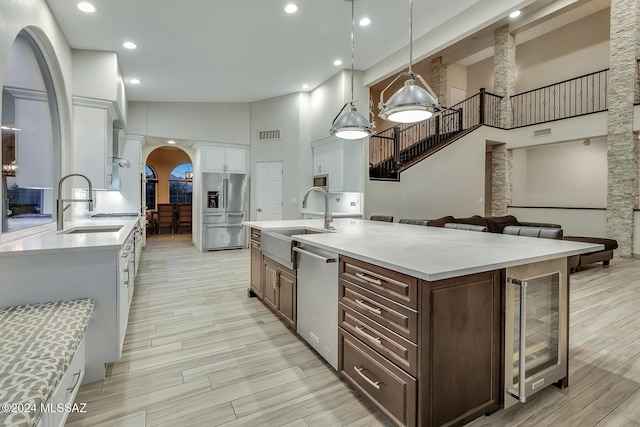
(504, 71)
(439, 80)
(504, 84)
(500, 179)
(622, 155)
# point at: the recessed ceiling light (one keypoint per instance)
(364, 22)
(337, 62)
(135, 81)
(291, 8)
(514, 14)
(86, 7)
(171, 142)
(305, 86)
(129, 45)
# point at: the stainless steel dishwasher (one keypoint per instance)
(317, 295)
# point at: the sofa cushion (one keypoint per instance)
(497, 223)
(542, 232)
(466, 227)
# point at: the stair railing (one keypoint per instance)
(386, 147)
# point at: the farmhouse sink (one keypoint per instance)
(93, 229)
(277, 243)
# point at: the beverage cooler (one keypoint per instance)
(536, 329)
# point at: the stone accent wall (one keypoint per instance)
(439, 80)
(622, 156)
(500, 179)
(504, 71)
(504, 84)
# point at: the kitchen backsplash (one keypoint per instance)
(338, 202)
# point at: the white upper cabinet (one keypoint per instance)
(93, 143)
(224, 159)
(341, 161)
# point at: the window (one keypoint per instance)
(152, 184)
(180, 184)
(30, 131)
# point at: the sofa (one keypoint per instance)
(494, 224)
(497, 224)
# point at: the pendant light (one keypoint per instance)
(411, 103)
(349, 123)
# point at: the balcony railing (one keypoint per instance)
(571, 98)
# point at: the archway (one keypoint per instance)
(169, 174)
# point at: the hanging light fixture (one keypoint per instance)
(411, 103)
(349, 123)
(188, 174)
(9, 169)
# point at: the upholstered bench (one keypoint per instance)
(603, 255)
(40, 346)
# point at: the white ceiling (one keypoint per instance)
(243, 50)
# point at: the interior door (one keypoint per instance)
(269, 191)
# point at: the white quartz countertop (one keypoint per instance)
(54, 240)
(430, 253)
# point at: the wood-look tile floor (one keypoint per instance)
(198, 352)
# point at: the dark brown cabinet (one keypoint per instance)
(425, 353)
(279, 291)
(256, 264)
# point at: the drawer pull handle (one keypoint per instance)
(75, 383)
(375, 384)
(371, 337)
(368, 307)
(369, 279)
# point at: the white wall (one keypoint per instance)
(589, 126)
(287, 114)
(22, 70)
(450, 182)
(574, 222)
(568, 174)
(573, 50)
(328, 98)
(226, 122)
(95, 74)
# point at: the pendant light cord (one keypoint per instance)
(353, 25)
(410, 36)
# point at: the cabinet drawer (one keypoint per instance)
(399, 318)
(400, 351)
(67, 389)
(391, 284)
(389, 387)
(255, 235)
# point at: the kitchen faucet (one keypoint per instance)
(60, 206)
(328, 219)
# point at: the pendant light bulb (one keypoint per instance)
(349, 123)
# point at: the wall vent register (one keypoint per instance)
(268, 135)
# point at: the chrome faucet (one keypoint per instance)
(328, 219)
(60, 206)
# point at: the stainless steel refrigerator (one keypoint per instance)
(226, 202)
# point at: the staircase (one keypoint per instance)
(400, 147)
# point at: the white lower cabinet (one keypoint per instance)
(61, 403)
(126, 275)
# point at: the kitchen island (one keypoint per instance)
(90, 258)
(426, 319)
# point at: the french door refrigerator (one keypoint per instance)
(225, 205)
